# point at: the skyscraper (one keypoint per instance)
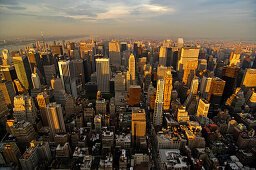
(132, 68)
(189, 71)
(8, 91)
(49, 71)
(194, 85)
(229, 74)
(114, 53)
(163, 56)
(66, 69)
(103, 74)
(55, 118)
(158, 113)
(24, 108)
(120, 82)
(134, 95)
(249, 79)
(3, 109)
(182, 115)
(187, 54)
(23, 71)
(138, 123)
(167, 90)
(43, 101)
(35, 80)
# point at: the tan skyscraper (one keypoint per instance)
(138, 122)
(43, 101)
(249, 79)
(103, 74)
(132, 68)
(114, 53)
(188, 69)
(163, 56)
(55, 118)
(167, 90)
(8, 91)
(187, 54)
(158, 110)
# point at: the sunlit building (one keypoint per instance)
(103, 74)
(158, 110)
(167, 90)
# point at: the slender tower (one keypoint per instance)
(158, 112)
(167, 90)
(132, 68)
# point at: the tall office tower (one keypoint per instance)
(132, 68)
(161, 71)
(103, 74)
(182, 115)
(114, 53)
(58, 91)
(23, 131)
(234, 59)
(138, 123)
(229, 74)
(24, 108)
(55, 118)
(189, 71)
(8, 72)
(57, 49)
(150, 91)
(79, 73)
(147, 80)
(249, 78)
(205, 86)
(167, 90)
(128, 80)
(43, 101)
(120, 82)
(35, 61)
(66, 69)
(4, 111)
(8, 91)
(163, 56)
(203, 108)
(174, 57)
(180, 43)
(169, 60)
(49, 71)
(70, 106)
(23, 71)
(158, 111)
(126, 56)
(194, 85)
(134, 95)
(35, 80)
(9, 153)
(187, 54)
(216, 90)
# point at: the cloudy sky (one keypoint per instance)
(219, 19)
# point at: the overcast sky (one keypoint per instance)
(219, 19)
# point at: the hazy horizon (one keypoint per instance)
(202, 19)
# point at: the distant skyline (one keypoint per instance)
(217, 19)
